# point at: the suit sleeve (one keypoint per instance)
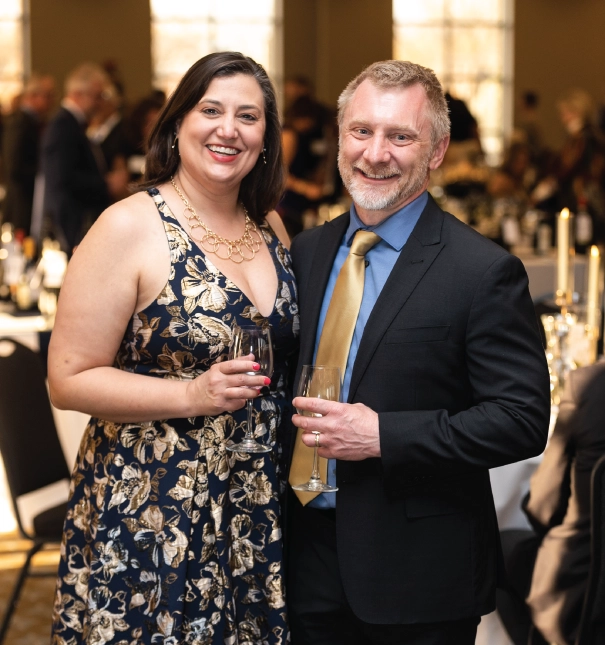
(16, 140)
(505, 365)
(63, 167)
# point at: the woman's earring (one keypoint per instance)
(176, 138)
(264, 157)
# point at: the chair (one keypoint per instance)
(31, 450)
(592, 623)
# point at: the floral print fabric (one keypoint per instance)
(169, 537)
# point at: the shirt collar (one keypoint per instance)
(396, 228)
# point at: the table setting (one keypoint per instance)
(572, 332)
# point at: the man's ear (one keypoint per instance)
(439, 153)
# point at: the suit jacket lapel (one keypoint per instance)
(417, 255)
(323, 258)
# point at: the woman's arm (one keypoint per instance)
(118, 269)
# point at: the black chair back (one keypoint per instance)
(30, 447)
(592, 623)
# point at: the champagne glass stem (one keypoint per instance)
(250, 409)
(315, 470)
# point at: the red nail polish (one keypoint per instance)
(255, 367)
(267, 380)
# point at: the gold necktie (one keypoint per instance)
(334, 344)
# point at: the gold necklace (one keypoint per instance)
(244, 248)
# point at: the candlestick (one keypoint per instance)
(592, 296)
(565, 253)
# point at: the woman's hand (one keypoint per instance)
(226, 386)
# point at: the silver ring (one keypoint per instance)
(317, 439)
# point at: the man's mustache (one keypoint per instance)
(377, 172)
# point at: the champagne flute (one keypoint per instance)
(250, 339)
(320, 382)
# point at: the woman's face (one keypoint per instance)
(221, 138)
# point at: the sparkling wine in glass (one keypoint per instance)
(320, 382)
(251, 339)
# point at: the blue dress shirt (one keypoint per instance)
(380, 260)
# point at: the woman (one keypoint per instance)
(170, 538)
(305, 148)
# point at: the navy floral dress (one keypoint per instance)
(169, 537)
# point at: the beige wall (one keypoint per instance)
(65, 33)
(559, 44)
(331, 41)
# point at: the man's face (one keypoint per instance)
(90, 101)
(385, 148)
(45, 96)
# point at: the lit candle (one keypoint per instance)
(564, 288)
(592, 296)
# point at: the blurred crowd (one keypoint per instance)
(63, 161)
(64, 158)
(516, 203)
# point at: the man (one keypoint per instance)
(75, 191)
(21, 149)
(548, 567)
(444, 378)
(108, 133)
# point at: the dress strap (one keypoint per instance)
(179, 242)
(163, 210)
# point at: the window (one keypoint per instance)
(469, 45)
(14, 53)
(185, 30)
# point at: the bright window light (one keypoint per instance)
(185, 30)
(12, 53)
(469, 45)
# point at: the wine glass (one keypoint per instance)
(250, 339)
(320, 382)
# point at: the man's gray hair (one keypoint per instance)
(84, 76)
(400, 74)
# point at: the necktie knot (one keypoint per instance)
(363, 242)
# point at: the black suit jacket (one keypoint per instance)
(75, 191)
(559, 506)
(20, 153)
(451, 360)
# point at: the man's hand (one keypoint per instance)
(348, 431)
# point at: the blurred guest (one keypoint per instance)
(511, 179)
(465, 145)
(295, 87)
(463, 124)
(75, 191)
(548, 567)
(21, 149)
(527, 129)
(579, 169)
(111, 68)
(138, 128)
(305, 147)
(108, 133)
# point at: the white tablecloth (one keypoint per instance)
(541, 271)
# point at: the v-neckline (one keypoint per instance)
(207, 260)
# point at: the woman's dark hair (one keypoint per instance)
(262, 187)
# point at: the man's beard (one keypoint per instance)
(377, 198)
